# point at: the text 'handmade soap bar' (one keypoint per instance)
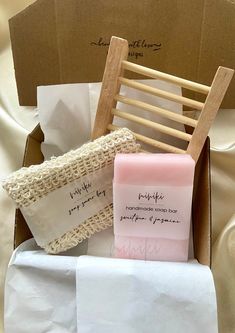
(152, 196)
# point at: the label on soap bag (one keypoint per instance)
(152, 211)
(67, 207)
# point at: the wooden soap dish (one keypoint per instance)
(113, 78)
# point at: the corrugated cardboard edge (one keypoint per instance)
(202, 212)
(32, 155)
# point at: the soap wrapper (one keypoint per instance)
(76, 202)
(152, 206)
(67, 199)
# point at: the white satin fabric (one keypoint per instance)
(222, 137)
(16, 122)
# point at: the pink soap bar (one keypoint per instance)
(152, 198)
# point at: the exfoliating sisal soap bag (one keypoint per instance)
(69, 198)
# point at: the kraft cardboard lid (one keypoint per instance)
(66, 41)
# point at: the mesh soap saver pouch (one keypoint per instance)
(69, 198)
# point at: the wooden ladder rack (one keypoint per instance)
(113, 78)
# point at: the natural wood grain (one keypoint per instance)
(218, 89)
(118, 51)
(156, 110)
(152, 124)
(161, 93)
(113, 78)
(166, 77)
(152, 142)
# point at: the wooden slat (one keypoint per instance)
(115, 64)
(219, 86)
(152, 142)
(166, 77)
(151, 124)
(156, 110)
(118, 51)
(161, 93)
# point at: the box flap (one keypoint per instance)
(201, 208)
(32, 155)
(218, 44)
(67, 41)
(34, 46)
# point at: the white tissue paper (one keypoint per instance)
(67, 114)
(40, 292)
(110, 295)
(64, 117)
(136, 296)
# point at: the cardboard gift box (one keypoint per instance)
(66, 41)
(201, 211)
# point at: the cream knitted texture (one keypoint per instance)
(28, 185)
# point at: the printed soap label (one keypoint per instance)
(69, 206)
(152, 211)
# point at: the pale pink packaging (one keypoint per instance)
(152, 197)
